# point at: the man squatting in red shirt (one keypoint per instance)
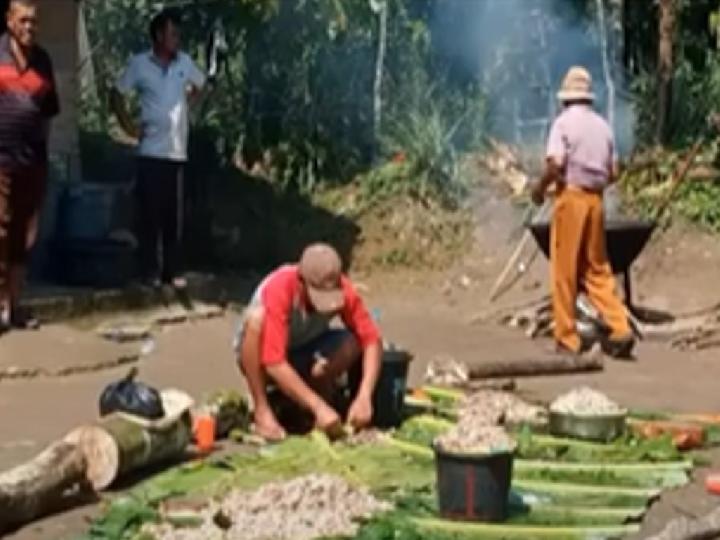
(285, 335)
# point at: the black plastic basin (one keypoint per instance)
(625, 240)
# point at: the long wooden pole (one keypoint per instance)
(679, 178)
(532, 367)
(379, 68)
(512, 261)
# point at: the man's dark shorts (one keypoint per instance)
(22, 191)
(303, 358)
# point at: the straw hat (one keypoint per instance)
(576, 86)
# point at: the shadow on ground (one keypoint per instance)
(247, 224)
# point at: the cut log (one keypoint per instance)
(42, 485)
(550, 365)
(117, 445)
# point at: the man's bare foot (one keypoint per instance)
(267, 426)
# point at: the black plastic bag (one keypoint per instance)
(131, 397)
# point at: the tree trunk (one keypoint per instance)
(553, 365)
(666, 47)
(379, 68)
(117, 445)
(606, 61)
(42, 485)
(616, 21)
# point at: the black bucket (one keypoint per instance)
(389, 397)
(473, 487)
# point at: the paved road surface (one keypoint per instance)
(196, 357)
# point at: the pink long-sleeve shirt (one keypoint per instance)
(581, 142)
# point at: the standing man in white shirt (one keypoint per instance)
(167, 81)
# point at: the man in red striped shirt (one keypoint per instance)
(28, 100)
(285, 335)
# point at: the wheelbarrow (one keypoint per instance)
(624, 238)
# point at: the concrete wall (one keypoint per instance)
(58, 35)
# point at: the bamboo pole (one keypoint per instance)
(512, 261)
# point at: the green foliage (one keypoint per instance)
(698, 202)
(122, 520)
(551, 505)
(396, 526)
(297, 93)
(422, 430)
(696, 93)
(625, 450)
(646, 184)
(582, 495)
(696, 78)
(193, 477)
(606, 476)
(421, 139)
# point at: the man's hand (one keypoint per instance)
(360, 413)
(327, 420)
(119, 108)
(537, 193)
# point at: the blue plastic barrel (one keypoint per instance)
(85, 212)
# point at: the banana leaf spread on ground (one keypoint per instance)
(561, 489)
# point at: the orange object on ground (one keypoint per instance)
(685, 436)
(419, 393)
(578, 254)
(204, 432)
(712, 483)
(700, 418)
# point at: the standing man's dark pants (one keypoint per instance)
(159, 193)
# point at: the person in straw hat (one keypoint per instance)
(581, 162)
(285, 337)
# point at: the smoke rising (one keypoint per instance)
(521, 49)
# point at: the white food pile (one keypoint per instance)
(585, 402)
(308, 507)
(472, 438)
(446, 371)
(481, 417)
(490, 407)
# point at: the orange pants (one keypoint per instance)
(578, 257)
